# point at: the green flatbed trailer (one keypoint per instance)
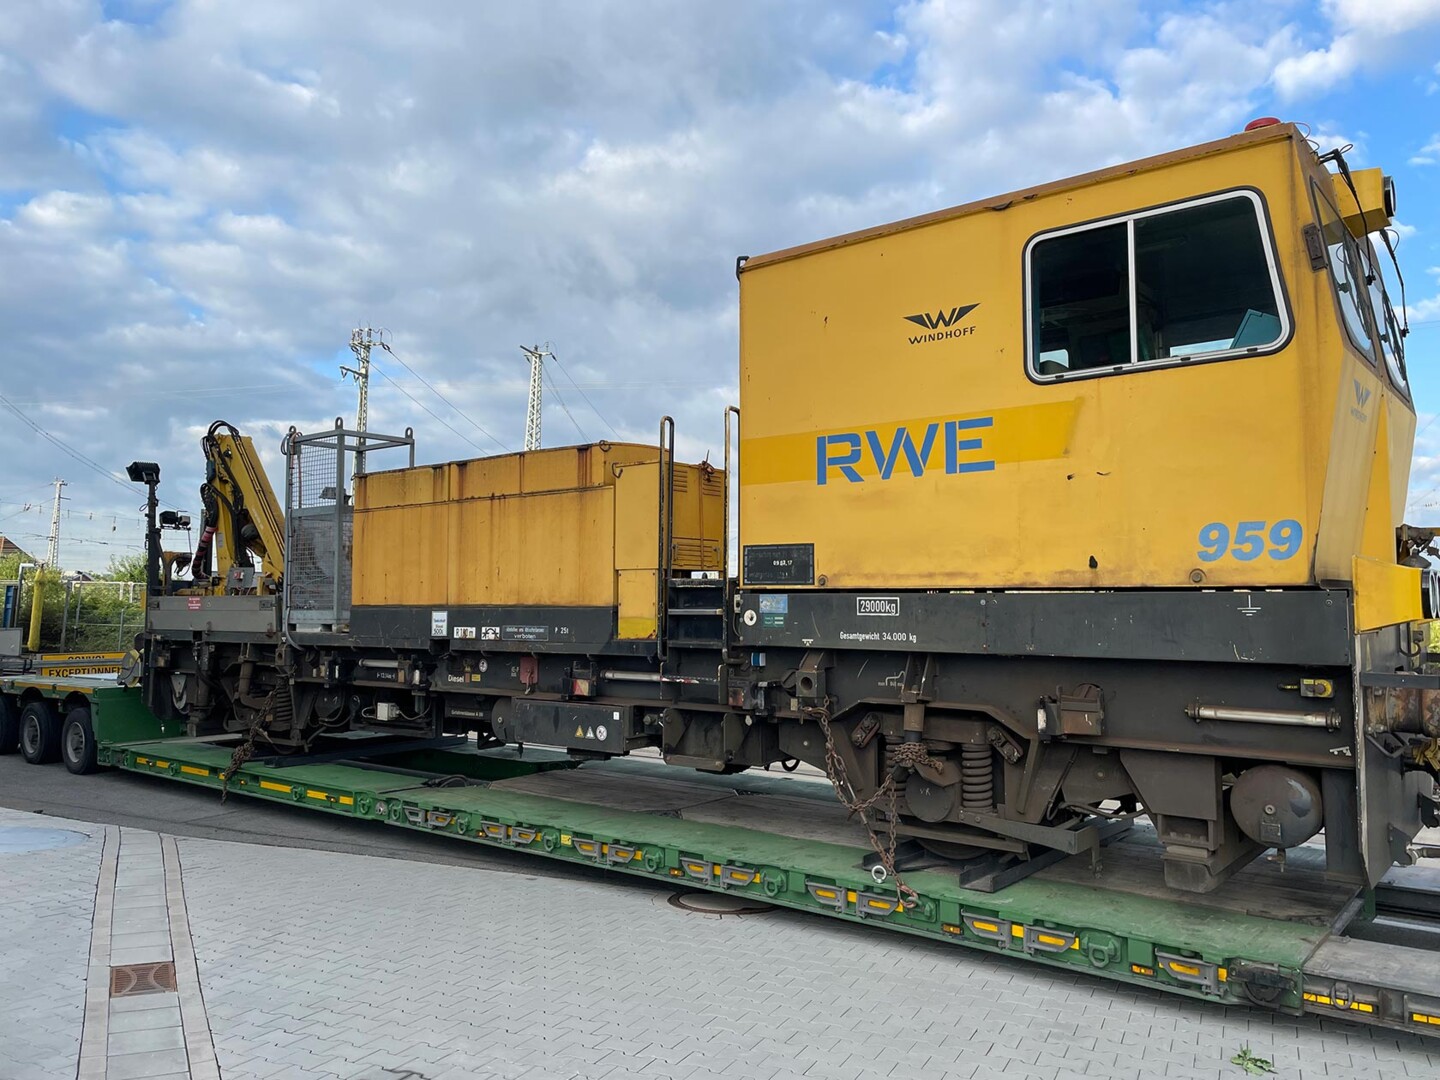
(1271, 936)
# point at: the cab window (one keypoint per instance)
(1387, 326)
(1346, 272)
(1160, 287)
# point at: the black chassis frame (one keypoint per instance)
(1118, 671)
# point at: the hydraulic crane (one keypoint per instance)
(241, 519)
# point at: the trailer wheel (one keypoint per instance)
(77, 742)
(39, 733)
(9, 725)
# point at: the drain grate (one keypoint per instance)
(131, 979)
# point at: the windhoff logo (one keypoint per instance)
(1362, 398)
(942, 323)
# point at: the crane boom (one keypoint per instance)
(242, 518)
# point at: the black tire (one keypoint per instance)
(9, 725)
(39, 733)
(77, 742)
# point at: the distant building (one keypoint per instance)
(8, 548)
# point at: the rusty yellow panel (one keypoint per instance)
(403, 487)
(699, 528)
(637, 495)
(698, 517)
(401, 541)
(1118, 481)
(400, 555)
(1377, 538)
(484, 477)
(547, 548)
(1385, 594)
(637, 591)
(560, 469)
(1371, 211)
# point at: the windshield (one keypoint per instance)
(1387, 327)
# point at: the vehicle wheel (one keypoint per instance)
(77, 742)
(9, 725)
(39, 733)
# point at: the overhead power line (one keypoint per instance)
(555, 390)
(426, 383)
(435, 416)
(60, 444)
(581, 391)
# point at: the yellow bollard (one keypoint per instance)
(37, 612)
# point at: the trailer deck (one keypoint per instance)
(1274, 935)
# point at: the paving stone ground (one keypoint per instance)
(330, 965)
(47, 902)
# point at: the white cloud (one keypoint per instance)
(1428, 154)
(1365, 33)
(203, 207)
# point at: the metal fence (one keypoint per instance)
(101, 615)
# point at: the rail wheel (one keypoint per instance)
(9, 725)
(77, 742)
(39, 733)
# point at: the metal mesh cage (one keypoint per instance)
(319, 523)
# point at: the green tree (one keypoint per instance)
(126, 568)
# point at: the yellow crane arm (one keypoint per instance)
(242, 517)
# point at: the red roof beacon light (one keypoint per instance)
(1262, 121)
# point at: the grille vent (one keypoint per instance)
(131, 979)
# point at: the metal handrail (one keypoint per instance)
(725, 529)
(665, 527)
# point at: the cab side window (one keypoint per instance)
(1156, 288)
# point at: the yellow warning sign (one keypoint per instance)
(579, 732)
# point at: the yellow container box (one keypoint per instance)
(575, 526)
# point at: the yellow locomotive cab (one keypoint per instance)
(1138, 378)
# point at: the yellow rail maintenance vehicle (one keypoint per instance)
(1054, 509)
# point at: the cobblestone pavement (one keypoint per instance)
(329, 965)
(318, 964)
(48, 872)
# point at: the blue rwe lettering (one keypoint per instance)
(902, 440)
(844, 460)
(954, 445)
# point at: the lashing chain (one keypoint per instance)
(246, 750)
(906, 754)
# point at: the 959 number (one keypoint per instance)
(1250, 540)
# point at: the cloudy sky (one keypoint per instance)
(199, 199)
